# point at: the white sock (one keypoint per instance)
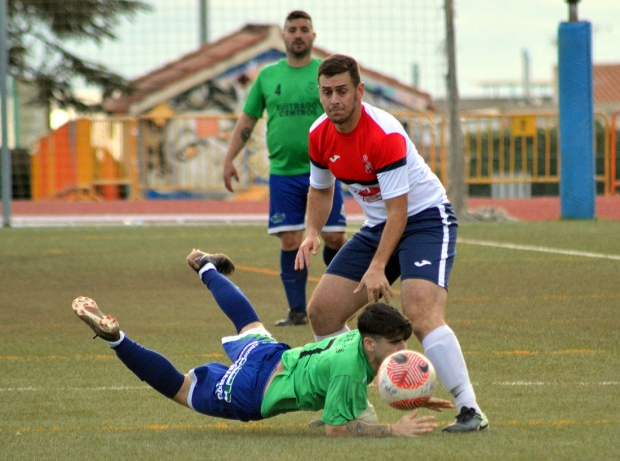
(116, 343)
(318, 338)
(203, 269)
(444, 351)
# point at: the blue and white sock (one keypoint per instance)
(229, 297)
(150, 366)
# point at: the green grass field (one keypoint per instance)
(535, 306)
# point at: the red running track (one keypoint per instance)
(533, 209)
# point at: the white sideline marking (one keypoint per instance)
(537, 383)
(132, 220)
(143, 219)
(513, 246)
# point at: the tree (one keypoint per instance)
(36, 30)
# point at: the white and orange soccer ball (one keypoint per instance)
(406, 379)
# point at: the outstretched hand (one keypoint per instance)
(436, 404)
(309, 245)
(230, 172)
(376, 284)
(411, 425)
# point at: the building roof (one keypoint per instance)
(214, 59)
(606, 83)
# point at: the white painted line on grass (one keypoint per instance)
(513, 246)
(134, 220)
(143, 219)
(537, 383)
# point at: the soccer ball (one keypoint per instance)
(406, 379)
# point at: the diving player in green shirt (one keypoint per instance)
(267, 377)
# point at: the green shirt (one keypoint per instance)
(332, 375)
(291, 97)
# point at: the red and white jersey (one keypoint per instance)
(377, 160)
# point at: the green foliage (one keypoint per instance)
(36, 32)
(539, 330)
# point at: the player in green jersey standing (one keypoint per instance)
(268, 378)
(288, 91)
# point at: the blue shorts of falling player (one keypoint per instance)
(255, 355)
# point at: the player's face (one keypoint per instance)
(341, 100)
(298, 37)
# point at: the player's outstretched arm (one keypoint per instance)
(310, 245)
(240, 135)
(319, 206)
(408, 426)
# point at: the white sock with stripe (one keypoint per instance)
(444, 351)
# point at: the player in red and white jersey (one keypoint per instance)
(410, 230)
(377, 160)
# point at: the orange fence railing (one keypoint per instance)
(182, 155)
(428, 133)
(520, 150)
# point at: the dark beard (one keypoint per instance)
(302, 54)
(299, 54)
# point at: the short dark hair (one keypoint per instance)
(297, 14)
(338, 64)
(385, 321)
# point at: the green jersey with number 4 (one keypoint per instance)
(291, 97)
(332, 375)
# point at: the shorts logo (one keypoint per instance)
(424, 262)
(277, 218)
(223, 388)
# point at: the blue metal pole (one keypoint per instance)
(576, 106)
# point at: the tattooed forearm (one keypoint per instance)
(360, 428)
(245, 134)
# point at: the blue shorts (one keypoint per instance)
(426, 249)
(288, 199)
(236, 392)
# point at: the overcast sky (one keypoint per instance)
(492, 35)
(390, 35)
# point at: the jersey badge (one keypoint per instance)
(367, 165)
